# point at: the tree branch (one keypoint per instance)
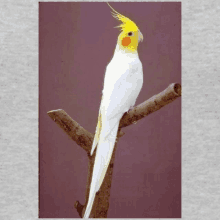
(76, 132)
(151, 105)
(84, 139)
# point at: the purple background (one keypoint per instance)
(76, 42)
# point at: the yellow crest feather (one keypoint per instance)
(127, 24)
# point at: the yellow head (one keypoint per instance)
(130, 35)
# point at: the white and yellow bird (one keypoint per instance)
(122, 84)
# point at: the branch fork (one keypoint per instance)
(85, 139)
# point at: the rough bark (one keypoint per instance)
(84, 139)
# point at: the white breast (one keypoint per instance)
(122, 84)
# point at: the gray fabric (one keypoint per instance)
(19, 109)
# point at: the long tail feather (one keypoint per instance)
(103, 156)
(97, 133)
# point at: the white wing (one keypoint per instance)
(122, 85)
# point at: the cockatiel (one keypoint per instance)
(122, 84)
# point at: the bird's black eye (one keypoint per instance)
(130, 34)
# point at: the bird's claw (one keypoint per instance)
(130, 109)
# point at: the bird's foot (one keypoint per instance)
(130, 109)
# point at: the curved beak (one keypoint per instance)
(140, 36)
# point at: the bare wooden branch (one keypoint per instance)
(77, 133)
(151, 105)
(84, 139)
(79, 207)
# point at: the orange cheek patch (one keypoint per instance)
(126, 41)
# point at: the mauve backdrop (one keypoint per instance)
(76, 42)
